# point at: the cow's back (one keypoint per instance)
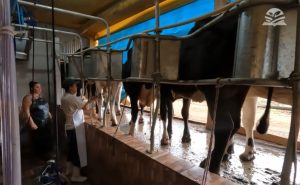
(209, 54)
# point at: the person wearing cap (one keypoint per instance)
(72, 107)
(35, 115)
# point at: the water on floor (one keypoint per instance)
(265, 169)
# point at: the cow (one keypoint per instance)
(210, 55)
(102, 91)
(137, 92)
(142, 93)
(115, 96)
(205, 56)
(280, 95)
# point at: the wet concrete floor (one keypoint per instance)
(265, 169)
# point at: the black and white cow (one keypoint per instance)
(210, 55)
(142, 94)
(281, 95)
(136, 91)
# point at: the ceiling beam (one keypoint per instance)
(143, 16)
(110, 12)
(220, 3)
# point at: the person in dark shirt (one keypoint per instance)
(35, 112)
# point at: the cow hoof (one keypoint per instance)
(107, 112)
(113, 124)
(247, 157)
(118, 113)
(186, 139)
(141, 120)
(230, 149)
(213, 170)
(131, 128)
(170, 132)
(203, 163)
(226, 158)
(131, 131)
(165, 141)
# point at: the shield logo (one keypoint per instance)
(274, 17)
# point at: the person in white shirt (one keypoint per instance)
(70, 103)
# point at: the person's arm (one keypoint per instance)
(50, 115)
(26, 103)
(84, 107)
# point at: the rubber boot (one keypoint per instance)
(76, 177)
(69, 169)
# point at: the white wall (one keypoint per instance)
(24, 68)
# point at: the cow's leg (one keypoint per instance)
(165, 140)
(227, 120)
(230, 145)
(141, 118)
(134, 112)
(99, 92)
(170, 116)
(229, 150)
(186, 138)
(249, 110)
(112, 100)
(223, 129)
(105, 95)
(100, 104)
(118, 99)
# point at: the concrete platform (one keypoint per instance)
(123, 160)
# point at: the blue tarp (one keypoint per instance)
(189, 11)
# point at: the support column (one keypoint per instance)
(291, 150)
(11, 164)
(218, 4)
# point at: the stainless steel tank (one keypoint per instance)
(94, 65)
(74, 69)
(143, 57)
(257, 44)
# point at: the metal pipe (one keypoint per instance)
(38, 40)
(48, 29)
(291, 150)
(284, 83)
(156, 76)
(11, 160)
(232, 8)
(175, 25)
(59, 10)
(69, 12)
(54, 81)
(157, 39)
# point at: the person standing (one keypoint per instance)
(35, 112)
(72, 107)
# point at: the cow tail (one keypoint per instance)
(263, 125)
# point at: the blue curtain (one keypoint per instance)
(189, 11)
